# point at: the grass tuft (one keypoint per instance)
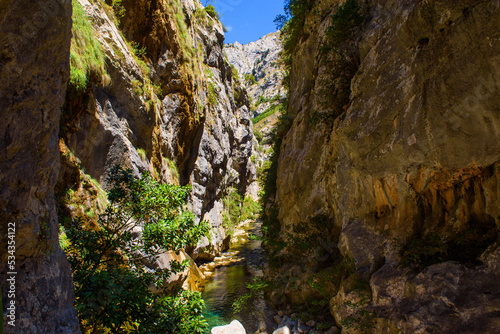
(87, 59)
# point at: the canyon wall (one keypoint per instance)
(261, 60)
(164, 101)
(170, 106)
(409, 155)
(34, 68)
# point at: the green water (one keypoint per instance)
(228, 283)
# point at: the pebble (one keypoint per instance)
(284, 320)
(277, 318)
(333, 330)
(302, 329)
(280, 313)
(311, 323)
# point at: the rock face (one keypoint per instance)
(33, 84)
(414, 153)
(172, 114)
(260, 59)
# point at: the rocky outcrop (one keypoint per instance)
(34, 68)
(172, 112)
(260, 59)
(412, 156)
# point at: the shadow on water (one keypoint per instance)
(226, 285)
(229, 282)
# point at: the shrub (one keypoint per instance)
(212, 94)
(255, 287)
(232, 210)
(142, 153)
(118, 9)
(234, 72)
(237, 209)
(344, 23)
(250, 209)
(139, 51)
(250, 79)
(210, 9)
(112, 280)
(258, 135)
(292, 25)
(269, 111)
(137, 87)
(172, 167)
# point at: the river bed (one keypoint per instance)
(228, 282)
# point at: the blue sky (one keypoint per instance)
(247, 20)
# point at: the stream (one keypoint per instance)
(240, 264)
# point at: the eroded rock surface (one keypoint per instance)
(260, 59)
(412, 154)
(34, 67)
(188, 128)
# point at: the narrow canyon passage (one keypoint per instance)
(358, 139)
(233, 270)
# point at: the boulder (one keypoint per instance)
(282, 330)
(235, 327)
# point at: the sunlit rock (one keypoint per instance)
(235, 327)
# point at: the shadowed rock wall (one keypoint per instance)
(34, 67)
(189, 128)
(413, 153)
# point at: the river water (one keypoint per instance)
(229, 282)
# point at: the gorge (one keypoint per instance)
(368, 130)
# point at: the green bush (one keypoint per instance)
(246, 301)
(212, 94)
(345, 21)
(258, 135)
(172, 167)
(87, 59)
(139, 51)
(112, 283)
(268, 112)
(250, 79)
(250, 209)
(142, 153)
(237, 209)
(210, 9)
(234, 72)
(232, 210)
(292, 25)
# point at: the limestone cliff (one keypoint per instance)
(261, 60)
(260, 71)
(401, 156)
(34, 68)
(168, 106)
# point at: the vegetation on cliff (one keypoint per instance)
(238, 209)
(301, 258)
(291, 25)
(87, 58)
(114, 267)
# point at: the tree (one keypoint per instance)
(113, 264)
